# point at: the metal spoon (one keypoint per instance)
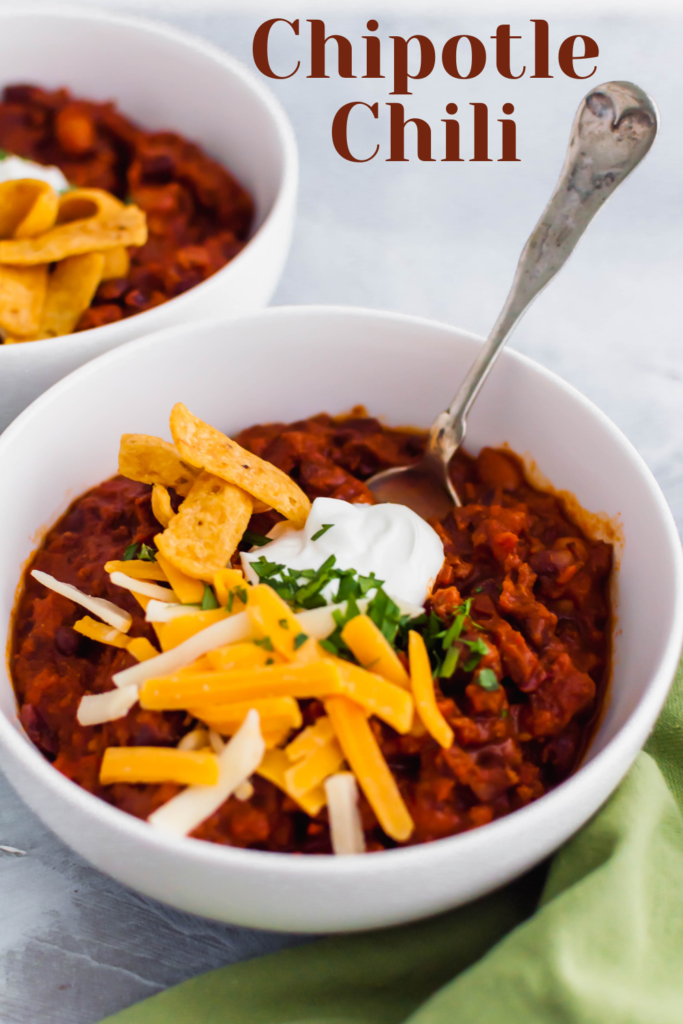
(614, 128)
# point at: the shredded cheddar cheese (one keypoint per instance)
(367, 762)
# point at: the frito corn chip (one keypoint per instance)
(22, 295)
(116, 263)
(153, 461)
(206, 447)
(127, 226)
(70, 290)
(27, 207)
(83, 203)
(161, 505)
(208, 527)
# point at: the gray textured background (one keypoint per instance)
(439, 240)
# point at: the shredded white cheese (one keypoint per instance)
(104, 610)
(195, 740)
(120, 579)
(346, 827)
(216, 741)
(238, 760)
(226, 631)
(164, 611)
(97, 708)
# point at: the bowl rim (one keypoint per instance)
(284, 199)
(200, 853)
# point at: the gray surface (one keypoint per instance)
(432, 239)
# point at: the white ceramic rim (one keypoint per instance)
(286, 194)
(324, 866)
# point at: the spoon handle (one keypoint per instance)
(614, 128)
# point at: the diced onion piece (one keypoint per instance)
(367, 762)
(197, 739)
(244, 791)
(238, 760)
(273, 768)
(138, 569)
(119, 579)
(309, 772)
(96, 708)
(166, 611)
(346, 828)
(101, 632)
(141, 648)
(371, 648)
(105, 610)
(422, 683)
(231, 629)
(188, 590)
(159, 764)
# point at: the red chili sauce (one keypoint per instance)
(198, 215)
(539, 589)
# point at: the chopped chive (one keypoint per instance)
(450, 663)
(283, 623)
(265, 642)
(231, 601)
(257, 540)
(130, 552)
(300, 639)
(270, 661)
(147, 553)
(209, 601)
(322, 531)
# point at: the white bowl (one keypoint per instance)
(161, 78)
(286, 364)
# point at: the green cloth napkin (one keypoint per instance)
(596, 940)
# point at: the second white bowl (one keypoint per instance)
(164, 79)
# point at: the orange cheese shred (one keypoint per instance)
(367, 763)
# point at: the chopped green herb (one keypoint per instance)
(487, 680)
(209, 600)
(231, 601)
(257, 540)
(265, 642)
(270, 661)
(478, 649)
(478, 590)
(329, 645)
(450, 663)
(283, 623)
(504, 713)
(322, 531)
(300, 639)
(147, 554)
(130, 552)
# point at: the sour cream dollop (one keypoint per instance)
(388, 540)
(13, 168)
